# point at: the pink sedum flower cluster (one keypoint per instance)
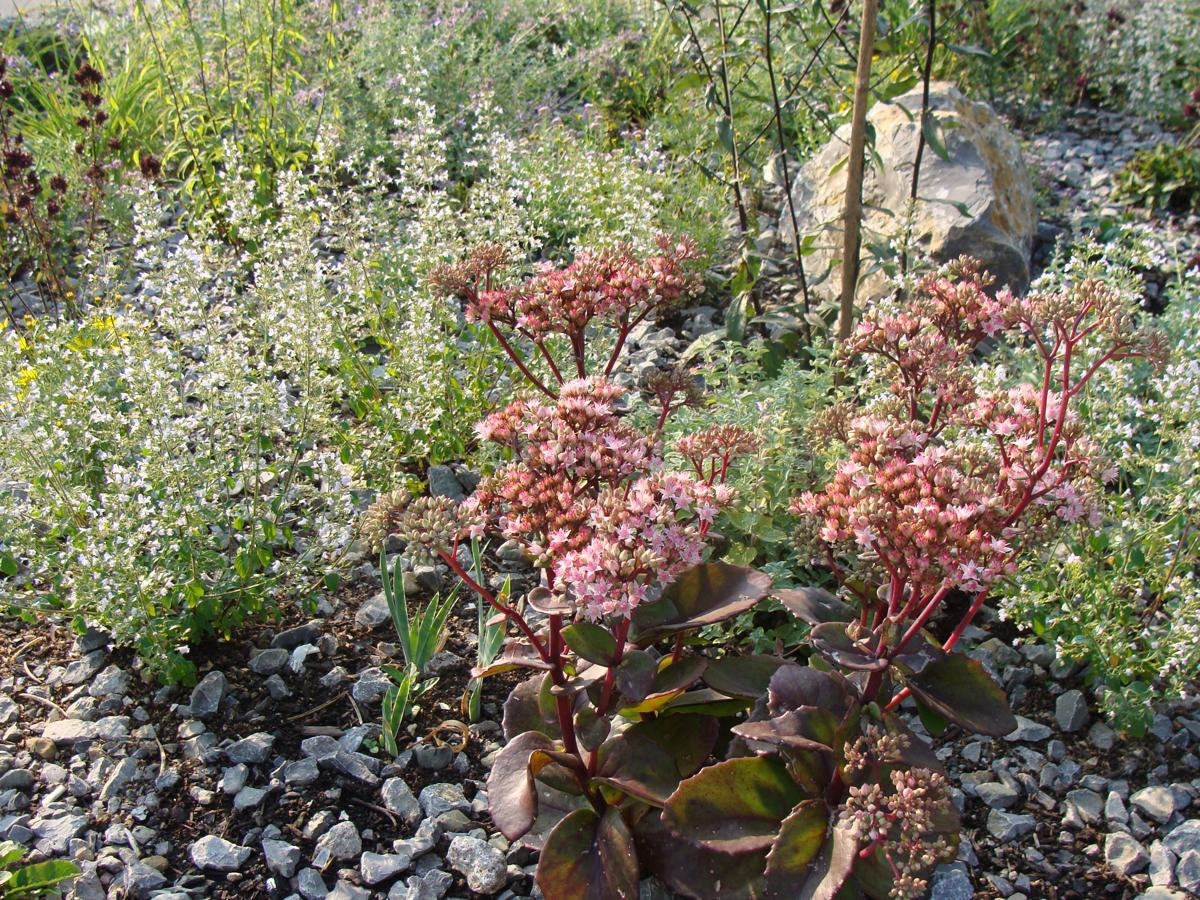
(949, 477)
(587, 496)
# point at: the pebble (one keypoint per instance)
(1071, 711)
(1006, 827)
(1029, 731)
(292, 638)
(1187, 871)
(340, 842)
(373, 612)
(398, 798)
(379, 867)
(208, 694)
(252, 750)
(483, 866)
(268, 662)
(1155, 802)
(436, 799)
(216, 853)
(310, 885)
(70, 731)
(1123, 854)
(282, 858)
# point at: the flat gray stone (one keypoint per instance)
(1156, 802)
(1115, 811)
(310, 885)
(951, 882)
(282, 858)
(292, 638)
(208, 694)
(1101, 736)
(1183, 837)
(358, 766)
(378, 867)
(483, 866)
(121, 776)
(57, 832)
(249, 798)
(1029, 731)
(1071, 711)
(70, 731)
(1087, 806)
(1187, 872)
(372, 684)
(252, 750)
(270, 661)
(140, 880)
(1124, 854)
(341, 842)
(344, 890)
(442, 483)
(399, 799)
(217, 854)
(436, 799)
(997, 795)
(9, 711)
(277, 687)
(373, 612)
(1162, 865)
(301, 772)
(112, 682)
(20, 780)
(1005, 827)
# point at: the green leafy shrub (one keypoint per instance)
(1166, 177)
(1123, 597)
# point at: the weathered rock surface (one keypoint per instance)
(979, 201)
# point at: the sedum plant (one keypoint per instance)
(952, 470)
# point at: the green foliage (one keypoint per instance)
(1122, 596)
(400, 701)
(32, 879)
(422, 637)
(1166, 177)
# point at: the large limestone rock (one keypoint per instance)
(979, 202)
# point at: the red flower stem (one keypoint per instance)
(507, 611)
(562, 699)
(930, 608)
(516, 358)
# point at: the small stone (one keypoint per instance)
(951, 882)
(41, 747)
(140, 879)
(20, 780)
(57, 832)
(249, 798)
(344, 890)
(277, 687)
(1155, 802)
(1056, 750)
(436, 799)
(997, 795)
(1071, 711)
(433, 758)
(1088, 806)
(1005, 827)
(122, 774)
(282, 858)
(217, 854)
(310, 885)
(9, 711)
(252, 750)
(373, 612)
(399, 799)
(1115, 812)
(442, 483)
(301, 772)
(269, 661)
(1028, 731)
(479, 862)
(342, 841)
(112, 682)
(1162, 865)
(358, 766)
(1124, 855)
(1101, 736)
(93, 639)
(208, 694)
(1187, 872)
(377, 867)
(308, 633)
(70, 731)
(1184, 837)
(372, 684)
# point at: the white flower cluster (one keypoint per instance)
(1142, 55)
(186, 455)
